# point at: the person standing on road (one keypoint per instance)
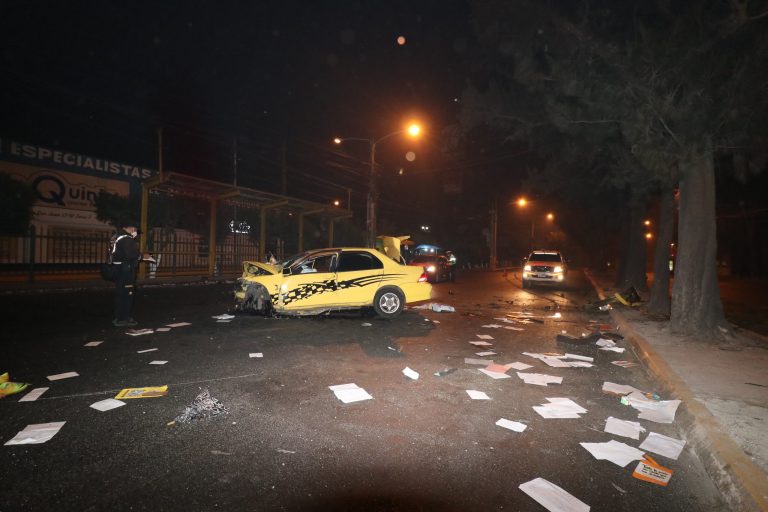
(125, 254)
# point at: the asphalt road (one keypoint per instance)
(287, 442)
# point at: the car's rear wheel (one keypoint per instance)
(388, 302)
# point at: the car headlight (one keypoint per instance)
(558, 269)
(527, 268)
(430, 268)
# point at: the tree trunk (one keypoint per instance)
(660, 302)
(631, 271)
(696, 305)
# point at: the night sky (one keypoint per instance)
(101, 77)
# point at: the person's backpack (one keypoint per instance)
(108, 269)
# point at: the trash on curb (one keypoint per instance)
(33, 395)
(148, 392)
(93, 343)
(619, 453)
(107, 405)
(512, 425)
(630, 429)
(65, 375)
(349, 393)
(667, 446)
(411, 374)
(651, 471)
(138, 332)
(477, 395)
(204, 406)
(552, 497)
(444, 372)
(659, 411)
(560, 408)
(37, 433)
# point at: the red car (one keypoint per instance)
(438, 268)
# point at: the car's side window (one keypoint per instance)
(352, 261)
(322, 263)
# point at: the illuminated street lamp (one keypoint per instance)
(413, 130)
(336, 202)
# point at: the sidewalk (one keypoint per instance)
(724, 390)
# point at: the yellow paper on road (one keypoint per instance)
(150, 392)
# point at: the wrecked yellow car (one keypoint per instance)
(334, 279)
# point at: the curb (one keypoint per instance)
(742, 483)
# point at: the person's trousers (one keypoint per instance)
(125, 284)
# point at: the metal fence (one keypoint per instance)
(65, 255)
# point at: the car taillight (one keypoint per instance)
(423, 277)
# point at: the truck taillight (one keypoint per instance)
(423, 277)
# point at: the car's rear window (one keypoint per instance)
(549, 258)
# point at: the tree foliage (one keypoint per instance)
(16, 200)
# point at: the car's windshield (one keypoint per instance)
(547, 257)
(293, 259)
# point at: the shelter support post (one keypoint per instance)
(263, 227)
(143, 227)
(212, 239)
(301, 225)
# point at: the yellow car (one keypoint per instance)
(334, 279)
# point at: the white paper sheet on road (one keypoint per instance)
(255, 354)
(618, 389)
(223, 317)
(579, 364)
(494, 375)
(663, 445)
(619, 453)
(618, 350)
(411, 374)
(513, 328)
(659, 411)
(178, 324)
(486, 353)
(481, 343)
(37, 433)
(472, 360)
(477, 395)
(93, 343)
(162, 329)
(60, 376)
(512, 425)
(491, 326)
(107, 405)
(580, 358)
(552, 497)
(517, 365)
(539, 379)
(555, 362)
(484, 336)
(223, 321)
(623, 428)
(349, 393)
(146, 350)
(138, 332)
(158, 362)
(560, 408)
(602, 342)
(33, 395)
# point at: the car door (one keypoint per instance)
(310, 284)
(358, 276)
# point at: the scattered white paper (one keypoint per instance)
(623, 428)
(539, 379)
(484, 336)
(107, 405)
(618, 389)
(349, 393)
(162, 329)
(579, 364)
(495, 375)
(481, 343)
(255, 354)
(618, 350)
(512, 425)
(146, 350)
(477, 395)
(33, 395)
(552, 497)
(663, 445)
(37, 433)
(368, 324)
(555, 362)
(491, 326)
(619, 453)
(486, 353)
(439, 308)
(435, 321)
(410, 373)
(602, 342)
(138, 332)
(66, 375)
(659, 411)
(93, 343)
(513, 328)
(224, 317)
(223, 321)
(580, 358)
(178, 324)
(483, 362)
(560, 408)
(158, 362)
(519, 366)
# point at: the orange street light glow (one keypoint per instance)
(336, 202)
(648, 236)
(550, 216)
(337, 140)
(522, 202)
(414, 130)
(647, 223)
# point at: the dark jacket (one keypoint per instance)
(126, 250)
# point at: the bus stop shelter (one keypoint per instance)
(215, 193)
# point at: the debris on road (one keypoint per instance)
(368, 324)
(519, 366)
(619, 350)
(481, 343)
(482, 362)
(158, 362)
(162, 329)
(178, 324)
(65, 375)
(33, 395)
(349, 393)
(444, 372)
(411, 374)
(491, 326)
(667, 446)
(579, 358)
(659, 411)
(486, 353)
(203, 407)
(146, 350)
(651, 471)
(624, 364)
(560, 408)
(484, 336)
(9, 388)
(255, 354)
(36, 434)
(138, 332)
(494, 375)
(539, 379)
(512, 425)
(630, 429)
(618, 389)
(148, 392)
(552, 497)
(477, 395)
(93, 343)
(107, 405)
(619, 453)
(439, 308)
(223, 317)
